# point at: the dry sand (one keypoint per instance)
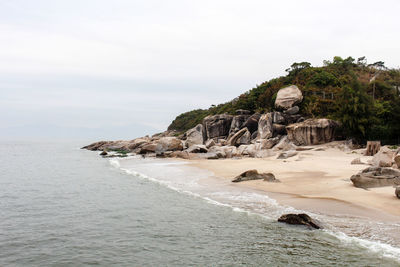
(316, 181)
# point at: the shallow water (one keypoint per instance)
(63, 206)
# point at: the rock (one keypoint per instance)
(383, 158)
(263, 153)
(285, 144)
(104, 153)
(397, 160)
(254, 135)
(356, 161)
(299, 219)
(217, 125)
(252, 123)
(278, 129)
(148, 148)
(376, 177)
(197, 149)
(254, 175)
(137, 143)
(224, 151)
(290, 119)
(288, 96)
(169, 144)
(210, 143)
(237, 123)
(243, 112)
(277, 117)
(397, 192)
(265, 129)
(292, 110)
(312, 131)
(195, 136)
(242, 137)
(287, 154)
(266, 143)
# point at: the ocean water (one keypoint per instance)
(62, 206)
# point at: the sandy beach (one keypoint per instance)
(316, 180)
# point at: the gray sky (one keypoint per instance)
(121, 69)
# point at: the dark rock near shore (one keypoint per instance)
(254, 175)
(299, 219)
(237, 123)
(252, 122)
(103, 153)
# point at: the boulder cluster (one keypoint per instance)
(242, 134)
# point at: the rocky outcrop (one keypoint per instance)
(254, 175)
(266, 143)
(197, 149)
(237, 123)
(252, 123)
(312, 131)
(217, 126)
(299, 219)
(148, 148)
(384, 158)
(265, 128)
(287, 97)
(242, 137)
(376, 177)
(195, 136)
(169, 144)
(292, 111)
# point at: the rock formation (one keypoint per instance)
(217, 126)
(299, 219)
(312, 131)
(376, 177)
(384, 157)
(195, 136)
(254, 175)
(288, 96)
(397, 192)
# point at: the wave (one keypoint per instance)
(254, 204)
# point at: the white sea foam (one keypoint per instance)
(255, 204)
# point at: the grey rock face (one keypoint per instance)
(299, 219)
(288, 96)
(265, 129)
(293, 110)
(376, 177)
(267, 143)
(312, 131)
(195, 136)
(169, 144)
(197, 149)
(278, 118)
(217, 125)
(254, 175)
(237, 123)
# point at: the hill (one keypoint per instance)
(363, 97)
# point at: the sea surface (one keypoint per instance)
(62, 206)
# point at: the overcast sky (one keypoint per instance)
(121, 69)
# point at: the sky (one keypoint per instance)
(122, 69)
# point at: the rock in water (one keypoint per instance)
(217, 125)
(288, 96)
(237, 123)
(104, 153)
(195, 135)
(312, 132)
(254, 175)
(265, 128)
(299, 219)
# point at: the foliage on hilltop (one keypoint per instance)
(363, 97)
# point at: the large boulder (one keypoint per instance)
(237, 123)
(195, 136)
(312, 131)
(376, 177)
(242, 137)
(265, 128)
(254, 175)
(288, 96)
(266, 143)
(197, 149)
(384, 158)
(252, 122)
(299, 219)
(169, 144)
(148, 148)
(217, 125)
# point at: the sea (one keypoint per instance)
(64, 206)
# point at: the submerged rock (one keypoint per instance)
(254, 175)
(357, 161)
(242, 137)
(299, 219)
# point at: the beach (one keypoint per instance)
(316, 180)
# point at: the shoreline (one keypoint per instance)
(314, 181)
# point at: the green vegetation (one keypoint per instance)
(363, 97)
